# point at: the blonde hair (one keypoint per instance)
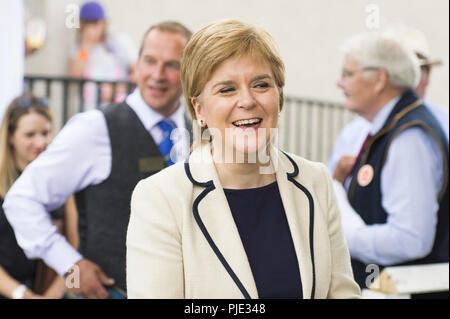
(219, 41)
(8, 169)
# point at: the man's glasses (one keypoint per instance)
(26, 102)
(349, 74)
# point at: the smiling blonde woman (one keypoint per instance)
(236, 226)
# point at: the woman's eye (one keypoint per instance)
(262, 85)
(226, 90)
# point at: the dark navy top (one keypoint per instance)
(261, 221)
(12, 257)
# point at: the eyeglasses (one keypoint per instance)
(348, 74)
(26, 102)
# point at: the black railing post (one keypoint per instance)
(65, 101)
(99, 94)
(48, 83)
(114, 92)
(31, 85)
(81, 94)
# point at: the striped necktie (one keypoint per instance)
(166, 144)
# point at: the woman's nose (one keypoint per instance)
(41, 142)
(246, 99)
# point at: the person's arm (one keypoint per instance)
(76, 66)
(79, 156)
(58, 287)
(8, 285)
(342, 283)
(348, 142)
(154, 252)
(80, 56)
(344, 167)
(410, 184)
(71, 222)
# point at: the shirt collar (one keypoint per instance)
(148, 116)
(382, 116)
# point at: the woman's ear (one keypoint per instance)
(197, 108)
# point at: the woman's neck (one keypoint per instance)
(20, 165)
(243, 175)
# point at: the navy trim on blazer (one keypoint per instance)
(291, 177)
(210, 187)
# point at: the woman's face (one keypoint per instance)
(31, 137)
(240, 104)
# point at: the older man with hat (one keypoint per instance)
(351, 137)
(395, 202)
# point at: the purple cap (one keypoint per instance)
(92, 11)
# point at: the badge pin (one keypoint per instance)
(365, 175)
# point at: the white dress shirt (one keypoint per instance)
(79, 156)
(351, 137)
(410, 183)
(440, 113)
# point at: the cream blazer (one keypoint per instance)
(182, 241)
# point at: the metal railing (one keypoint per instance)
(308, 127)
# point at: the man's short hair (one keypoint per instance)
(168, 26)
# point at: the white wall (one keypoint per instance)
(308, 32)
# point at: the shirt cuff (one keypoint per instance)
(61, 256)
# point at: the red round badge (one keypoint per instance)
(365, 175)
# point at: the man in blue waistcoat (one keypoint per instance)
(394, 200)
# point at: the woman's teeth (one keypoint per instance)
(249, 122)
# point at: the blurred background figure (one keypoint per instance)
(100, 155)
(25, 132)
(417, 42)
(395, 202)
(99, 55)
(352, 136)
(12, 58)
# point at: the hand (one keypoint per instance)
(345, 164)
(92, 279)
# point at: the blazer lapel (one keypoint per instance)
(216, 221)
(297, 207)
